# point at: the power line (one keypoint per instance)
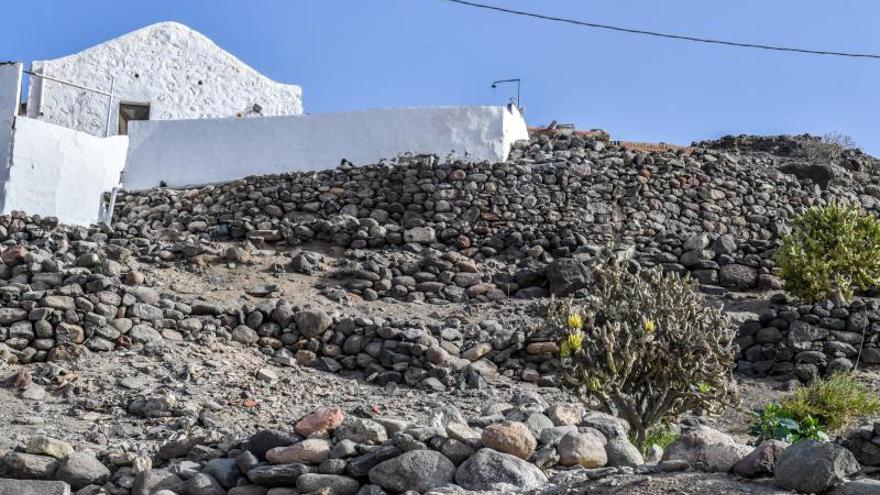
(665, 35)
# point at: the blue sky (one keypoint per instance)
(353, 54)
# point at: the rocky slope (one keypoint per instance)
(184, 347)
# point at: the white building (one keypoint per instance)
(165, 71)
(75, 144)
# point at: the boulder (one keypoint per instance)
(309, 451)
(33, 487)
(202, 484)
(277, 475)
(581, 449)
(17, 465)
(360, 430)
(264, 440)
(312, 322)
(80, 469)
(810, 466)
(510, 437)
(567, 275)
(706, 449)
(44, 445)
(759, 462)
(321, 420)
(224, 470)
(738, 277)
(327, 484)
(488, 468)
(154, 480)
(416, 470)
(621, 452)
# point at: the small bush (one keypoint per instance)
(661, 435)
(831, 251)
(835, 401)
(775, 423)
(643, 347)
(829, 148)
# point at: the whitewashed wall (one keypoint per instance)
(10, 96)
(194, 152)
(181, 73)
(60, 172)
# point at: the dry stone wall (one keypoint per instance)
(811, 339)
(711, 212)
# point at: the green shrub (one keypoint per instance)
(835, 401)
(661, 435)
(642, 346)
(832, 250)
(775, 423)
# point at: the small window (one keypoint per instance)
(129, 112)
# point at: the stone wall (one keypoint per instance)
(69, 291)
(715, 214)
(807, 340)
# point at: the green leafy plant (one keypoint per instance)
(775, 423)
(643, 346)
(832, 250)
(661, 435)
(836, 401)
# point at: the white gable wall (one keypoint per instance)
(161, 65)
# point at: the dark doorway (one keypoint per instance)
(132, 111)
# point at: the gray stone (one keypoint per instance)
(858, 487)
(759, 462)
(327, 484)
(621, 452)
(738, 277)
(17, 465)
(360, 430)
(202, 484)
(33, 487)
(277, 474)
(488, 468)
(79, 469)
(810, 466)
(152, 480)
(706, 449)
(224, 470)
(417, 470)
(260, 442)
(567, 275)
(312, 323)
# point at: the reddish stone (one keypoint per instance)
(322, 420)
(14, 255)
(510, 437)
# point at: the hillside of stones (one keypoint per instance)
(422, 229)
(207, 327)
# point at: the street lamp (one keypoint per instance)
(502, 81)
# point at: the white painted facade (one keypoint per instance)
(180, 73)
(194, 152)
(60, 172)
(10, 95)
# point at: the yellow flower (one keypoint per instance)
(650, 326)
(575, 321)
(572, 343)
